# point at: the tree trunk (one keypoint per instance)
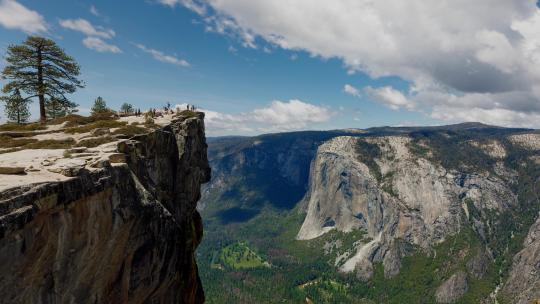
(41, 88)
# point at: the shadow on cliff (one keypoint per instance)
(255, 190)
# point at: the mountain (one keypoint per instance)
(411, 214)
(111, 224)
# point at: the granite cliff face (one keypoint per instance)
(246, 171)
(523, 284)
(408, 197)
(123, 233)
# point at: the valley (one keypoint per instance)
(384, 215)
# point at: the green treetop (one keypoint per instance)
(58, 108)
(100, 106)
(126, 108)
(16, 107)
(40, 68)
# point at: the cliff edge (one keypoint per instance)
(119, 231)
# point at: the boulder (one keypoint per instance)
(69, 167)
(76, 150)
(452, 289)
(12, 170)
(392, 262)
(117, 158)
(478, 265)
(101, 163)
(364, 270)
(100, 132)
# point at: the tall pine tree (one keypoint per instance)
(16, 107)
(40, 68)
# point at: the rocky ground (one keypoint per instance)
(74, 148)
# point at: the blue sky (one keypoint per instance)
(226, 58)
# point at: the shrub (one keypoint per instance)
(98, 124)
(74, 120)
(17, 127)
(187, 113)
(51, 144)
(131, 130)
(148, 120)
(9, 142)
(94, 141)
(32, 143)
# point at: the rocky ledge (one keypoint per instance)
(118, 231)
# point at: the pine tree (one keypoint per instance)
(40, 68)
(16, 107)
(70, 107)
(100, 106)
(58, 108)
(126, 108)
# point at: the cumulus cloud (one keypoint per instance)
(160, 56)
(351, 90)
(390, 97)
(94, 34)
(98, 44)
(85, 27)
(291, 115)
(191, 4)
(14, 15)
(451, 48)
(386, 95)
(276, 117)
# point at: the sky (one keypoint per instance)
(282, 65)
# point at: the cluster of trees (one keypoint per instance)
(39, 68)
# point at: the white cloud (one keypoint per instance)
(191, 4)
(94, 11)
(351, 90)
(390, 97)
(276, 117)
(97, 44)
(160, 56)
(14, 15)
(456, 49)
(85, 27)
(503, 117)
(95, 34)
(291, 115)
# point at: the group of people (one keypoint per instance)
(152, 112)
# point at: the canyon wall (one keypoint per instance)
(122, 233)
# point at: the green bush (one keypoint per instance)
(26, 127)
(94, 125)
(94, 141)
(131, 130)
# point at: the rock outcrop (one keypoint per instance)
(452, 289)
(124, 232)
(393, 195)
(523, 284)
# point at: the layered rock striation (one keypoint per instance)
(122, 233)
